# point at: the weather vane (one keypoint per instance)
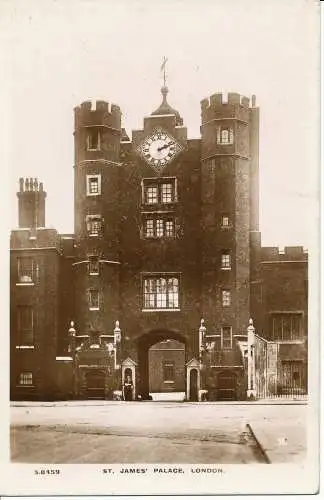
(163, 69)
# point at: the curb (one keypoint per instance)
(259, 445)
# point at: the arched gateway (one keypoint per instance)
(168, 360)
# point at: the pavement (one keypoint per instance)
(158, 432)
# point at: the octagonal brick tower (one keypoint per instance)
(97, 138)
(230, 219)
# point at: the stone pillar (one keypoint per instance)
(71, 350)
(202, 333)
(117, 342)
(251, 389)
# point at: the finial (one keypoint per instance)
(21, 184)
(202, 328)
(251, 322)
(72, 329)
(165, 59)
(117, 324)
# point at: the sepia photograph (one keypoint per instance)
(162, 184)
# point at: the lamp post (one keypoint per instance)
(251, 391)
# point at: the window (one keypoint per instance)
(161, 190)
(25, 270)
(151, 195)
(93, 299)
(93, 140)
(293, 374)
(167, 194)
(26, 378)
(225, 221)
(286, 326)
(226, 338)
(93, 185)
(161, 292)
(25, 325)
(94, 225)
(225, 135)
(93, 265)
(168, 368)
(226, 298)
(226, 260)
(156, 227)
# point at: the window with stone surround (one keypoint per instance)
(93, 298)
(93, 139)
(226, 259)
(158, 226)
(26, 270)
(159, 191)
(286, 326)
(93, 185)
(93, 266)
(225, 221)
(226, 337)
(94, 225)
(225, 135)
(25, 378)
(226, 298)
(160, 292)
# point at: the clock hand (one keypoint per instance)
(164, 146)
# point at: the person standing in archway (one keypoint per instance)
(128, 388)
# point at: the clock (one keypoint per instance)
(159, 148)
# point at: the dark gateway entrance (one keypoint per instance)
(161, 363)
(95, 380)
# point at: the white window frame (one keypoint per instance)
(230, 140)
(31, 279)
(225, 218)
(158, 296)
(224, 266)
(158, 183)
(95, 176)
(92, 218)
(158, 229)
(93, 258)
(222, 337)
(26, 379)
(226, 298)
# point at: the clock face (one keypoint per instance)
(159, 149)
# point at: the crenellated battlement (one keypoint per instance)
(231, 105)
(296, 253)
(98, 113)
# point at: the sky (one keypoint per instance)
(59, 54)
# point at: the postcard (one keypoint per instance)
(161, 253)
